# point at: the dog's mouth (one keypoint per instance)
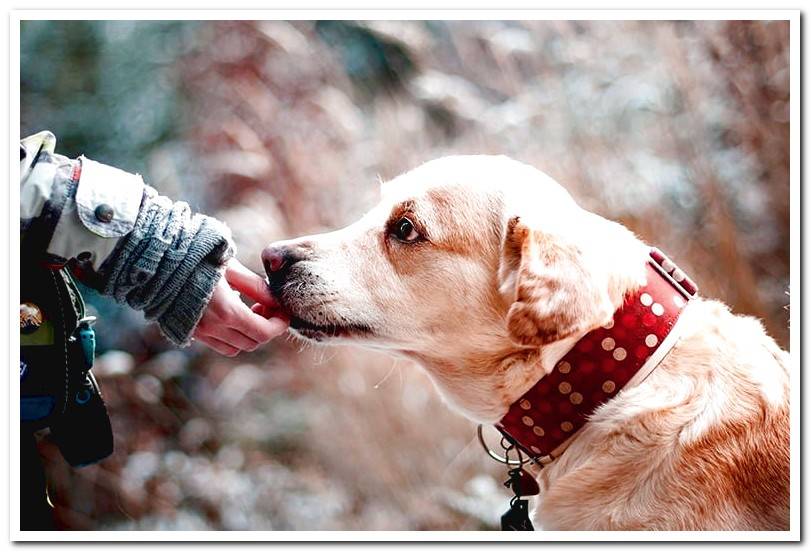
(321, 332)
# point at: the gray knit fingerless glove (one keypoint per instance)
(169, 264)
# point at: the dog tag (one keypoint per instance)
(522, 483)
(517, 517)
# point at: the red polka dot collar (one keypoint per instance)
(620, 354)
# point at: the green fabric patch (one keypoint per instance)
(43, 336)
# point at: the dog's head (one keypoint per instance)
(473, 265)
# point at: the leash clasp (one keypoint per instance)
(506, 460)
(494, 455)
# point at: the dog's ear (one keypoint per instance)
(554, 290)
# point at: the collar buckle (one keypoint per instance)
(673, 274)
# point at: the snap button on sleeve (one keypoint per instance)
(108, 201)
(104, 213)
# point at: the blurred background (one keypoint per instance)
(680, 130)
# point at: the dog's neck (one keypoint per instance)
(485, 397)
(482, 383)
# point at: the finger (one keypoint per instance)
(248, 283)
(236, 338)
(219, 346)
(257, 327)
(260, 309)
(269, 312)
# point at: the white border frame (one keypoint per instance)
(793, 16)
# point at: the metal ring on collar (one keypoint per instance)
(495, 456)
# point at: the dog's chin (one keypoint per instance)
(302, 326)
(327, 331)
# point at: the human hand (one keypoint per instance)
(228, 326)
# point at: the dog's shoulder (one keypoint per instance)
(714, 420)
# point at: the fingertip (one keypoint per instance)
(280, 325)
(249, 283)
(280, 315)
(274, 327)
(263, 295)
(260, 309)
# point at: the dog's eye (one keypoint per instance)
(404, 230)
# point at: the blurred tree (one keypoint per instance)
(103, 86)
(374, 62)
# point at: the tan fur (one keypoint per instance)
(510, 274)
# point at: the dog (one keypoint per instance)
(486, 272)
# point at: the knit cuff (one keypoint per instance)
(179, 321)
(210, 244)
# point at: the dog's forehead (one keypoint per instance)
(434, 195)
(465, 175)
(449, 181)
(418, 186)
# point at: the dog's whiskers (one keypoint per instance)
(394, 365)
(323, 358)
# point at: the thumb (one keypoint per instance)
(248, 283)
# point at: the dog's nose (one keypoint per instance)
(274, 259)
(279, 258)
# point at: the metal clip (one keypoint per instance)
(87, 339)
(495, 456)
